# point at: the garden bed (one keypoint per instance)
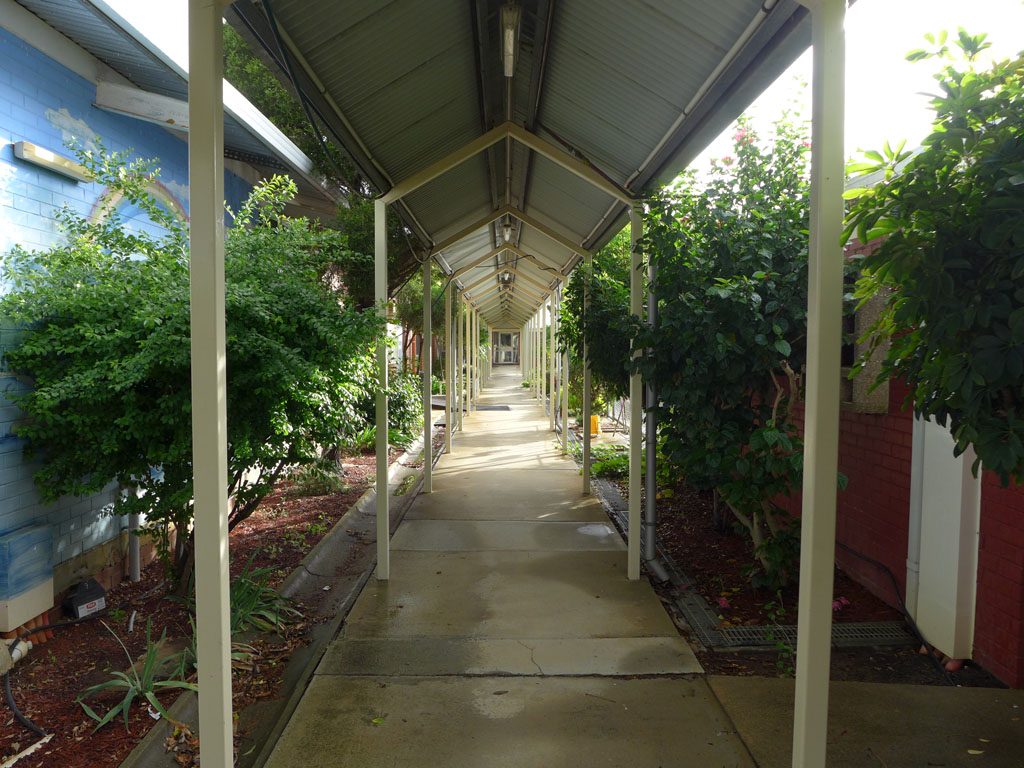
(278, 535)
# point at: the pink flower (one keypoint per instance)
(741, 135)
(727, 160)
(839, 603)
(723, 602)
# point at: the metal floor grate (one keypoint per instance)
(704, 621)
(493, 408)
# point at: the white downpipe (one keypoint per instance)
(914, 521)
(449, 370)
(821, 431)
(636, 405)
(380, 283)
(209, 384)
(134, 548)
(427, 371)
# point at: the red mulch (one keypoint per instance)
(280, 532)
(719, 562)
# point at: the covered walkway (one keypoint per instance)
(508, 634)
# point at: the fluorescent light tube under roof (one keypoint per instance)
(510, 15)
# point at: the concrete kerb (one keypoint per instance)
(310, 577)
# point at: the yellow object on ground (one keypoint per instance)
(595, 425)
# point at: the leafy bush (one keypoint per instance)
(106, 344)
(732, 256)
(952, 261)
(321, 478)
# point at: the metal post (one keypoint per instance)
(380, 291)
(467, 381)
(449, 371)
(553, 379)
(650, 537)
(821, 430)
(209, 385)
(588, 264)
(636, 404)
(564, 391)
(471, 356)
(427, 367)
(459, 360)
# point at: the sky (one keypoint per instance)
(884, 98)
(883, 90)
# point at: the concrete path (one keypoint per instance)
(508, 635)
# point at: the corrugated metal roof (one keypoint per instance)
(111, 40)
(606, 80)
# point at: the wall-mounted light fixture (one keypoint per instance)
(510, 16)
(51, 161)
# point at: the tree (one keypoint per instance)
(355, 213)
(952, 260)
(731, 260)
(606, 322)
(106, 348)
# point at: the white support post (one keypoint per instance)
(209, 384)
(449, 370)
(588, 262)
(821, 430)
(467, 381)
(564, 390)
(380, 291)
(427, 369)
(538, 325)
(459, 362)
(636, 403)
(553, 366)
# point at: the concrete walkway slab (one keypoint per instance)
(433, 656)
(509, 722)
(508, 594)
(470, 536)
(508, 633)
(883, 726)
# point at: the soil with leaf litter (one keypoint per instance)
(718, 560)
(46, 684)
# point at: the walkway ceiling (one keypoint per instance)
(634, 89)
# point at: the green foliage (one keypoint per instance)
(405, 406)
(256, 605)
(321, 478)
(952, 261)
(731, 261)
(140, 683)
(607, 320)
(107, 338)
(615, 465)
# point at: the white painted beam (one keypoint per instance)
(821, 430)
(209, 383)
(380, 295)
(636, 403)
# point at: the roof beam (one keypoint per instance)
(477, 262)
(493, 290)
(466, 231)
(507, 130)
(445, 164)
(575, 166)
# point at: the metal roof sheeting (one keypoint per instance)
(113, 41)
(634, 87)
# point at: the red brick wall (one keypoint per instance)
(874, 454)
(999, 620)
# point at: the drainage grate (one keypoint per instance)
(704, 621)
(493, 408)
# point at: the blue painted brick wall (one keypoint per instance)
(43, 102)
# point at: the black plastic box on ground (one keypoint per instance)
(85, 599)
